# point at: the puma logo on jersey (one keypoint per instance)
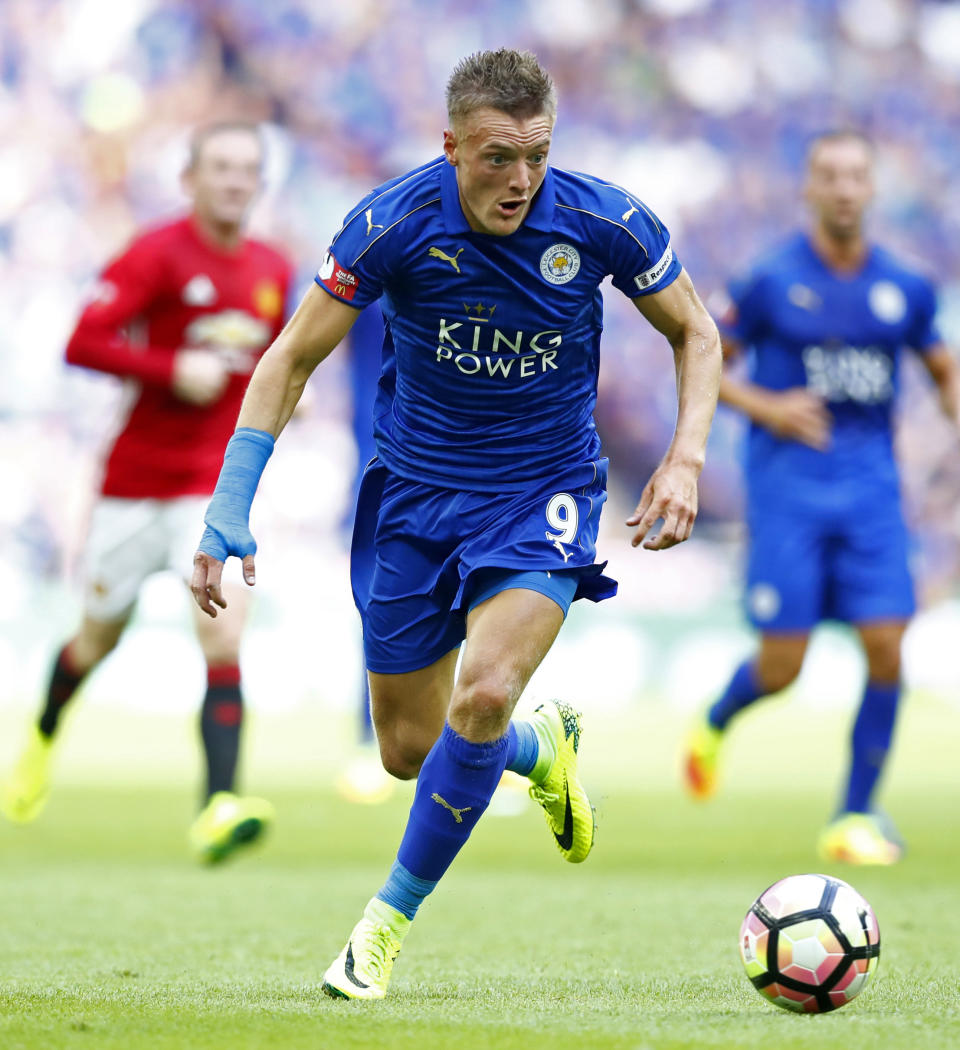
(626, 215)
(371, 225)
(446, 805)
(438, 253)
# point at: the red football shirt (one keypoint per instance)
(172, 290)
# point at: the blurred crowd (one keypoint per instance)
(701, 107)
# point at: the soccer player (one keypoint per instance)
(826, 316)
(477, 522)
(183, 315)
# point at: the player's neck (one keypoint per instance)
(847, 253)
(225, 237)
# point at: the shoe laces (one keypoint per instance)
(381, 949)
(540, 794)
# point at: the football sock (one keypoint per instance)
(523, 748)
(870, 742)
(221, 718)
(455, 785)
(64, 681)
(404, 891)
(742, 690)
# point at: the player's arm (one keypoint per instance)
(671, 493)
(796, 414)
(100, 340)
(945, 373)
(317, 326)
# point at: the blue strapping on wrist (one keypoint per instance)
(228, 513)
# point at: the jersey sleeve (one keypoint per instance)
(923, 334)
(353, 270)
(125, 288)
(642, 259)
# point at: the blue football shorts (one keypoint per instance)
(848, 561)
(423, 556)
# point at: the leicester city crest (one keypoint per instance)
(559, 263)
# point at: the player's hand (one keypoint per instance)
(199, 376)
(670, 494)
(206, 584)
(799, 415)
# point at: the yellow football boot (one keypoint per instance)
(226, 823)
(556, 786)
(362, 970)
(26, 791)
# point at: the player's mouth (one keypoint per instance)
(509, 209)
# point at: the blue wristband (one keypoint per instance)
(228, 513)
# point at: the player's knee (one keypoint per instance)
(402, 758)
(883, 664)
(775, 674)
(482, 703)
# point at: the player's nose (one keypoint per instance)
(519, 177)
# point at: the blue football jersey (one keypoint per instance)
(841, 336)
(492, 342)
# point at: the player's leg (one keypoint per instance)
(874, 592)
(859, 834)
(27, 788)
(227, 820)
(123, 547)
(507, 637)
(363, 778)
(773, 667)
(783, 605)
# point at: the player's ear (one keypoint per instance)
(450, 146)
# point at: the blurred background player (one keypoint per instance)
(826, 315)
(183, 315)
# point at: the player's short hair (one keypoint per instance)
(202, 135)
(825, 138)
(511, 81)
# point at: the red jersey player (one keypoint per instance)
(183, 315)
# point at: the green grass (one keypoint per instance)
(112, 938)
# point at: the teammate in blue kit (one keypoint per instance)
(477, 522)
(826, 316)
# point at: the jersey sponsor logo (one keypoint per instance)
(439, 253)
(477, 311)
(649, 278)
(560, 263)
(236, 336)
(337, 279)
(887, 302)
(268, 299)
(863, 374)
(371, 225)
(199, 291)
(477, 348)
(804, 298)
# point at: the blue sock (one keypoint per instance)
(404, 891)
(455, 785)
(870, 742)
(742, 689)
(523, 748)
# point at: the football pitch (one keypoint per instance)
(113, 938)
